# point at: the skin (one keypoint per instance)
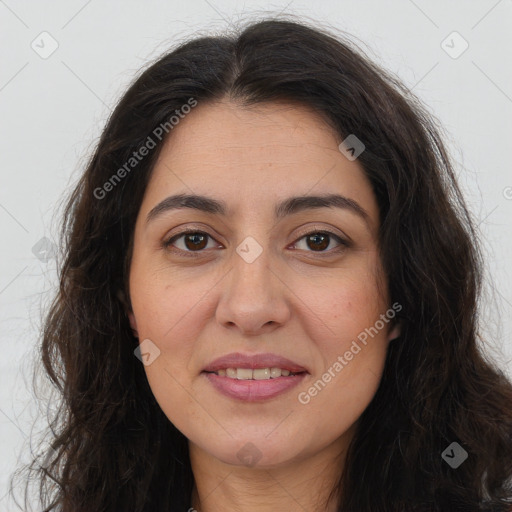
(290, 301)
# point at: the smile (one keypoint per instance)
(244, 384)
(254, 374)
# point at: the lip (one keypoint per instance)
(254, 361)
(253, 390)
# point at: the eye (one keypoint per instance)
(193, 241)
(318, 241)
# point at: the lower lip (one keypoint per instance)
(254, 390)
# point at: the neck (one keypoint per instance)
(299, 484)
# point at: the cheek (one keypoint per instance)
(163, 301)
(172, 316)
(353, 344)
(343, 387)
(165, 317)
(344, 305)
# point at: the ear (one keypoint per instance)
(395, 331)
(133, 323)
(129, 312)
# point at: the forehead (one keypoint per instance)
(273, 132)
(255, 155)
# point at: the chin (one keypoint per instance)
(253, 451)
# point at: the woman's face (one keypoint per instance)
(265, 276)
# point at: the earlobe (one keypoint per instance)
(127, 307)
(133, 323)
(395, 332)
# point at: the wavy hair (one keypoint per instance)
(112, 446)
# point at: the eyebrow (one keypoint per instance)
(286, 207)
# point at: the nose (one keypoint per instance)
(254, 298)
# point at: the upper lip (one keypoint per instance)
(253, 361)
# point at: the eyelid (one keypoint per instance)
(190, 228)
(338, 234)
(169, 240)
(343, 243)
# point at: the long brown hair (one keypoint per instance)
(113, 448)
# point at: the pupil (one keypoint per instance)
(314, 239)
(196, 239)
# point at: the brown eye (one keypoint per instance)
(319, 241)
(188, 241)
(195, 241)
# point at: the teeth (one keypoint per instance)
(261, 374)
(243, 374)
(257, 374)
(275, 372)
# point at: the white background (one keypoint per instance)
(52, 111)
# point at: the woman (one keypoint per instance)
(269, 297)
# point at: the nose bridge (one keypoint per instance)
(254, 296)
(252, 276)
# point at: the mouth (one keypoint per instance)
(254, 366)
(255, 374)
(255, 377)
(251, 389)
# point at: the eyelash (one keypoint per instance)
(167, 244)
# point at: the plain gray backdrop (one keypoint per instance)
(64, 64)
